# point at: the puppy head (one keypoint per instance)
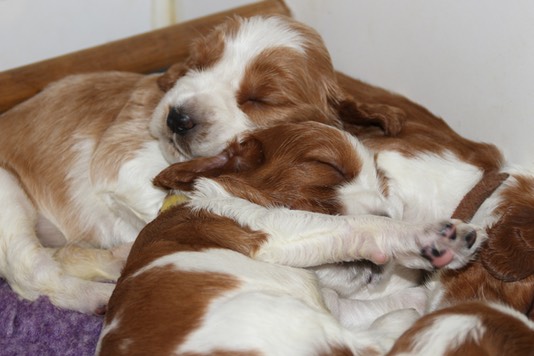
(296, 165)
(245, 74)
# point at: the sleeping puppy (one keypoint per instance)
(76, 160)
(224, 272)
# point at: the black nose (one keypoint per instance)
(178, 121)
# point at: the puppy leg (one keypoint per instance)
(306, 239)
(318, 240)
(92, 263)
(28, 267)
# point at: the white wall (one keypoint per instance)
(469, 61)
(32, 30)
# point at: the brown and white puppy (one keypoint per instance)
(76, 160)
(224, 273)
(429, 169)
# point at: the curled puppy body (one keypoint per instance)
(76, 160)
(225, 272)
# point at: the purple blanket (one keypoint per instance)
(39, 328)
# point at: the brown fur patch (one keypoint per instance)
(503, 270)
(167, 301)
(45, 123)
(207, 50)
(283, 85)
(474, 282)
(153, 329)
(129, 132)
(502, 334)
(180, 229)
(509, 253)
(167, 80)
(303, 171)
(421, 132)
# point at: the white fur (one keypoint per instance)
(513, 313)
(429, 186)
(132, 201)
(448, 332)
(363, 195)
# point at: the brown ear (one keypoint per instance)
(389, 118)
(182, 175)
(167, 80)
(509, 252)
(237, 157)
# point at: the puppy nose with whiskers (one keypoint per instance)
(178, 121)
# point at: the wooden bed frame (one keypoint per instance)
(145, 53)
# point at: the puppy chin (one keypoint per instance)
(170, 153)
(166, 143)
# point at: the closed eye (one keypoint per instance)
(335, 167)
(256, 100)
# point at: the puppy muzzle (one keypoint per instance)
(179, 122)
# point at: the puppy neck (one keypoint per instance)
(426, 186)
(368, 192)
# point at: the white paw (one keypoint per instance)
(449, 244)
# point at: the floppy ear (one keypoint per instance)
(359, 104)
(237, 157)
(389, 118)
(508, 254)
(167, 80)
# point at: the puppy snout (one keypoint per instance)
(179, 121)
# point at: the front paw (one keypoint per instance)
(449, 244)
